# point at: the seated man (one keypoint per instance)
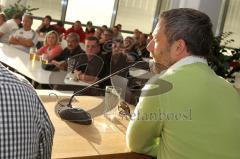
(116, 33)
(15, 22)
(4, 29)
(43, 29)
(73, 48)
(76, 28)
(46, 26)
(187, 111)
(59, 27)
(25, 37)
(25, 127)
(94, 66)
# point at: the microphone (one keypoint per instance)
(78, 115)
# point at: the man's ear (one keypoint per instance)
(180, 48)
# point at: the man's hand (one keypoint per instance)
(77, 75)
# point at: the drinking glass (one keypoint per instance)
(33, 53)
(111, 102)
(44, 59)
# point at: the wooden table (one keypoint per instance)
(102, 139)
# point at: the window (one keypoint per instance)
(46, 7)
(232, 23)
(136, 14)
(97, 11)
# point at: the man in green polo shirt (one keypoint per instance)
(198, 115)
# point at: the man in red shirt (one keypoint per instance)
(77, 28)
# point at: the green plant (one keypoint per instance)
(16, 8)
(223, 58)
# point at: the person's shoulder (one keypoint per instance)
(4, 27)
(17, 32)
(43, 48)
(52, 27)
(12, 78)
(58, 46)
(65, 51)
(79, 49)
(10, 21)
(69, 30)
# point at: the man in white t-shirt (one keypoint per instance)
(13, 23)
(4, 29)
(25, 37)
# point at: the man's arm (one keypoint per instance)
(62, 65)
(88, 78)
(78, 75)
(25, 42)
(145, 127)
(20, 41)
(13, 40)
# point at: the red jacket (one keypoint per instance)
(80, 32)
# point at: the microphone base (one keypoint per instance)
(76, 115)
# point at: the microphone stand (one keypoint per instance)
(99, 81)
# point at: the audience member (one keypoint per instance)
(106, 36)
(25, 127)
(98, 32)
(77, 28)
(89, 31)
(104, 27)
(116, 33)
(4, 29)
(142, 44)
(25, 37)
(15, 22)
(73, 48)
(119, 27)
(59, 27)
(97, 66)
(106, 43)
(187, 111)
(136, 34)
(129, 45)
(46, 26)
(51, 47)
(119, 58)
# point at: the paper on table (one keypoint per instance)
(69, 79)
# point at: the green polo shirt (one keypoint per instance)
(196, 116)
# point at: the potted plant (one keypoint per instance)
(224, 60)
(16, 8)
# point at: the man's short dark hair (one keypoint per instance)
(93, 38)
(116, 27)
(48, 17)
(193, 26)
(109, 31)
(18, 16)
